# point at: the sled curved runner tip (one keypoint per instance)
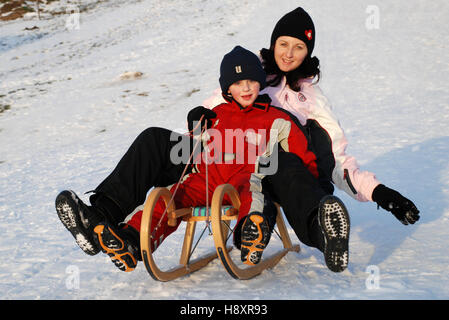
(220, 234)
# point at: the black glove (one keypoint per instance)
(402, 208)
(195, 114)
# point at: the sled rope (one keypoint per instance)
(207, 183)
(182, 176)
(206, 160)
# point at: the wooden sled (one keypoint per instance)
(220, 226)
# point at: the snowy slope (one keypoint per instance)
(70, 117)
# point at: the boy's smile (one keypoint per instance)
(245, 91)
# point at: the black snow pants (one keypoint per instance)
(148, 163)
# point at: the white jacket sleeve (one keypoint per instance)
(346, 175)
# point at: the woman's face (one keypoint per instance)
(289, 53)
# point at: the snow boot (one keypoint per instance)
(333, 219)
(79, 219)
(254, 238)
(120, 244)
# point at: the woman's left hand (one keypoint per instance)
(402, 208)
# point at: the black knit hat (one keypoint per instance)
(297, 24)
(240, 64)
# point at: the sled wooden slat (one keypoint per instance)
(187, 244)
(283, 230)
(175, 214)
(220, 233)
(223, 218)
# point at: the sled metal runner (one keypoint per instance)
(220, 231)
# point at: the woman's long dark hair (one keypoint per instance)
(310, 67)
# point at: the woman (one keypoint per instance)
(291, 84)
(291, 73)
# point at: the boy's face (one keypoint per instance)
(245, 92)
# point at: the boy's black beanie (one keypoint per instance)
(297, 24)
(240, 64)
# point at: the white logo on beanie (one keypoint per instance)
(238, 69)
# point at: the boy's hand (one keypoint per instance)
(195, 115)
(402, 208)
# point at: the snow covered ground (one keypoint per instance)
(66, 117)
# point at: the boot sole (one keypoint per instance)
(335, 223)
(67, 207)
(255, 237)
(112, 245)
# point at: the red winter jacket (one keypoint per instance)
(242, 139)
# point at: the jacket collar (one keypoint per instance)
(262, 103)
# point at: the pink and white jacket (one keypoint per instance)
(313, 111)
